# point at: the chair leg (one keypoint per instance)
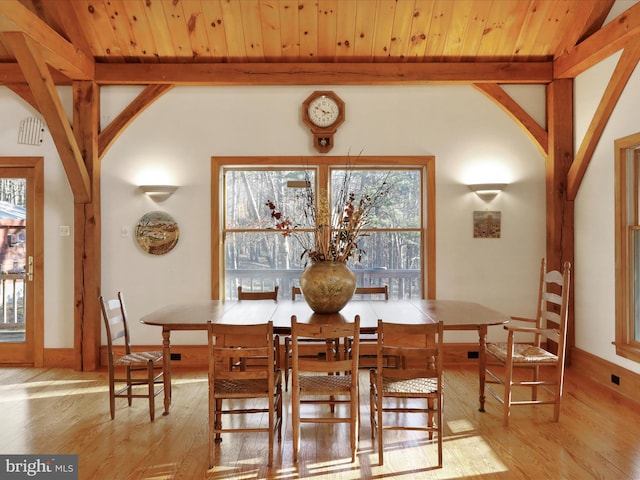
(430, 407)
(558, 392)
(271, 429)
(295, 422)
(152, 386)
(440, 429)
(211, 422)
(129, 387)
(112, 393)
(278, 410)
(218, 418)
(379, 432)
(287, 359)
(355, 423)
(372, 412)
(508, 382)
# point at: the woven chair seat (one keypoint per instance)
(522, 353)
(139, 358)
(410, 387)
(243, 388)
(320, 384)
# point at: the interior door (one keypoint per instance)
(21, 339)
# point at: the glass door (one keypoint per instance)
(17, 337)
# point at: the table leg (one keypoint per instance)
(166, 354)
(482, 362)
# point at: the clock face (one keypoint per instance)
(323, 111)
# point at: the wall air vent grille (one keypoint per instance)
(31, 131)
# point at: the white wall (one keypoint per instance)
(58, 251)
(594, 274)
(472, 139)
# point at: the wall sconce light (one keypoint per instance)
(158, 193)
(487, 191)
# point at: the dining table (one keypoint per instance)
(195, 315)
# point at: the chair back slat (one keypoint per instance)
(114, 315)
(295, 291)
(326, 331)
(232, 345)
(266, 295)
(382, 290)
(419, 348)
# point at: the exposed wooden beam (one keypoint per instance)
(517, 113)
(135, 108)
(625, 67)
(11, 73)
(605, 42)
(57, 52)
(560, 210)
(324, 73)
(87, 228)
(307, 73)
(50, 106)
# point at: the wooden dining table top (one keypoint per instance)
(455, 314)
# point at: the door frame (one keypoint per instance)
(35, 217)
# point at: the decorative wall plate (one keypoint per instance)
(157, 233)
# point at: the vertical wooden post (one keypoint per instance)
(560, 211)
(87, 267)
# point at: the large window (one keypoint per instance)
(249, 251)
(627, 171)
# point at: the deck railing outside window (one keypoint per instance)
(403, 284)
(12, 326)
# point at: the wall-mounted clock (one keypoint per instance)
(323, 113)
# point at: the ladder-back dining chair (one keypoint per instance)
(330, 347)
(368, 341)
(318, 381)
(541, 355)
(229, 387)
(134, 363)
(414, 386)
(244, 295)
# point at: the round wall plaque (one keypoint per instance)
(157, 233)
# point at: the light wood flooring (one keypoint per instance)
(61, 411)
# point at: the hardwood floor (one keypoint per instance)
(59, 411)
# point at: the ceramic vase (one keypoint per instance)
(327, 286)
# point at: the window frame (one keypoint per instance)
(427, 226)
(626, 344)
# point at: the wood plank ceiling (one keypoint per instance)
(312, 31)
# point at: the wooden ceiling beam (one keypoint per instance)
(605, 42)
(50, 106)
(324, 73)
(11, 73)
(57, 52)
(517, 113)
(128, 115)
(624, 69)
